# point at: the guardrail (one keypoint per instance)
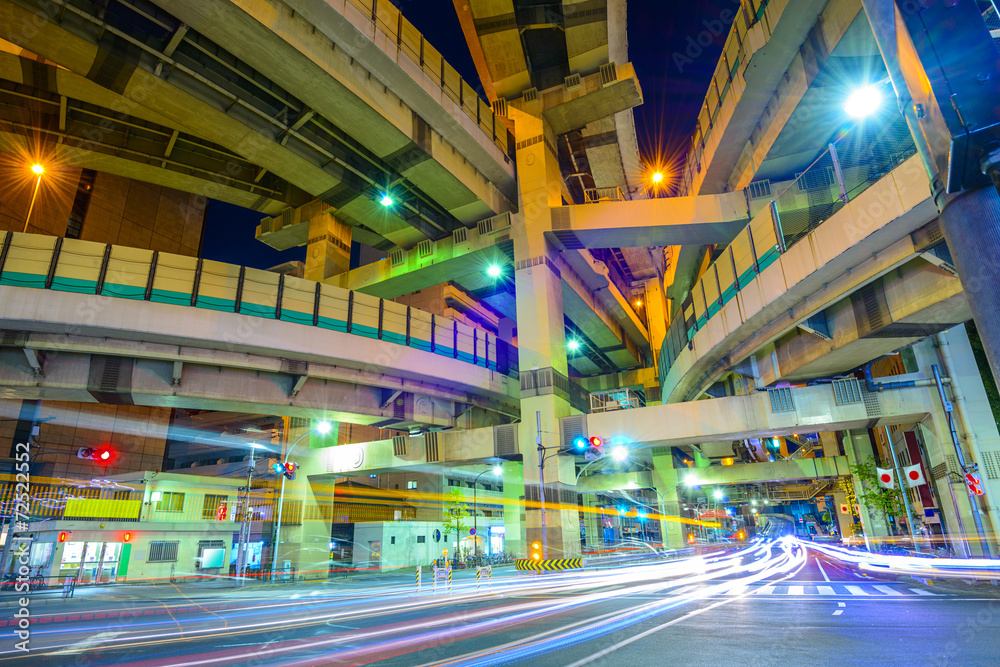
(853, 163)
(84, 267)
(397, 30)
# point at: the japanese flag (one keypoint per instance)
(885, 477)
(914, 476)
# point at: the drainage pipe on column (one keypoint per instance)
(961, 408)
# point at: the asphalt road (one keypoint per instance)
(763, 607)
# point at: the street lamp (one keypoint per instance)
(619, 453)
(497, 471)
(863, 102)
(573, 345)
(322, 428)
(494, 271)
(37, 170)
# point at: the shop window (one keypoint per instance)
(412, 484)
(162, 552)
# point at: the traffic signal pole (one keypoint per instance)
(541, 481)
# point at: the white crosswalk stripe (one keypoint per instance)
(920, 591)
(835, 590)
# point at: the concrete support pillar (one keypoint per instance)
(665, 480)
(593, 526)
(329, 249)
(513, 508)
(306, 527)
(858, 447)
(828, 442)
(541, 337)
(845, 520)
(654, 306)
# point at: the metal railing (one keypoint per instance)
(84, 267)
(409, 41)
(735, 53)
(857, 160)
(595, 195)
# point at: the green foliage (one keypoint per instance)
(984, 369)
(888, 502)
(454, 512)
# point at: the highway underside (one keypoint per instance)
(781, 603)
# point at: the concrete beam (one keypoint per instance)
(149, 330)
(650, 222)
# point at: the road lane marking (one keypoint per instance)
(88, 643)
(856, 590)
(838, 612)
(796, 590)
(765, 590)
(887, 590)
(821, 570)
(737, 590)
(841, 604)
(920, 591)
(826, 590)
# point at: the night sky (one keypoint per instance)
(667, 48)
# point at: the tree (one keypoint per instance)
(454, 512)
(888, 502)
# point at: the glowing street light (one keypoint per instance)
(497, 470)
(37, 170)
(658, 177)
(495, 271)
(619, 453)
(386, 200)
(323, 427)
(717, 494)
(573, 345)
(863, 102)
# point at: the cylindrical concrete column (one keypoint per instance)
(971, 225)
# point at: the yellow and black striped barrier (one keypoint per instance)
(548, 565)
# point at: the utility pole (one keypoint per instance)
(244, 528)
(541, 481)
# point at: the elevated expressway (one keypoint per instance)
(670, 425)
(93, 323)
(796, 318)
(336, 100)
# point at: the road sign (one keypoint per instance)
(472, 531)
(974, 483)
(444, 552)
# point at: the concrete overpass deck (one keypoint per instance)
(184, 332)
(755, 292)
(789, 411)
(306, 95)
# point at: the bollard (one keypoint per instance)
(418, 579)
(449, 581)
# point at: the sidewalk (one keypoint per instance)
(124, 600)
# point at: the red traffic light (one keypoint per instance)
(126, 537)
(975, 484)
(596, 442)
(62, 537)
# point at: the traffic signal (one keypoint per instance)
(220, 513)
(290, 469)
(104, 455)
(536, 551)
(63, 536)
(595, 448)
(974, 483)
(127, 537)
